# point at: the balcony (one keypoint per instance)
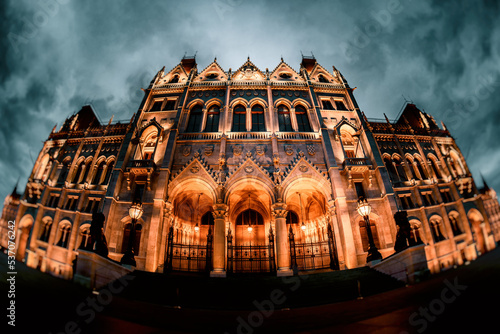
(141, 166)
(297, 135)
(357, 165)
(200, 136)
(249, 135)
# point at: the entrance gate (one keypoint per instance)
(313, 255)
(181, 257)
(251, 258)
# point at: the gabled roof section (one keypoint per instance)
(301, 166)
(319, 70)
(178, 71)
(346, 121)
(283, 69)
(196, 166)
(213, 69)
(248, 71)
(249, 168)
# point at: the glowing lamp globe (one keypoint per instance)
(135, 211)
(364, 208)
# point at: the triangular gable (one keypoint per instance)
(249, 168)
(177, 70)
(196, 167)
(213, 68)
(345, 121)
(285, 68)
(248, 71)
(301, 166)
(318, 69)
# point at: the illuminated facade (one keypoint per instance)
(250, 171)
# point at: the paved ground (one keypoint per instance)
(462, 299)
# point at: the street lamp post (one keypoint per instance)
(135, 212)
(364, 210)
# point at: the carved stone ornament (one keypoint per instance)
(311, 149)
(303, 168)
(209, 149)
(195, 169)
(260, 149)
(288, 149)
(237, 149)
(186, 151)
(249, 168)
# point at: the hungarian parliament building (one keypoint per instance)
(270, 171)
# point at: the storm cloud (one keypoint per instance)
(57, 55)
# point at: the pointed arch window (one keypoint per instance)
(195, 118)
(400, 169)
(207, 219)
(98, 172)
(212, 124)
(391, 169)
(435, 227)
(435, 168)
(175, 79)
(258, 123)
(239, 119)
(420, 169)
(64, 171)
(284, 119)
(292, 218)
(109, 170)
(302, 119)
(249, 217)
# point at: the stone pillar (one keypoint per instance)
(282, 246)
(219, 254)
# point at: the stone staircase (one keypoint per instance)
(240, 292)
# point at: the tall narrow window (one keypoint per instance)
(212, 124)
(109, 170)
(360, 191)
(302, 119)
(258, 123)
(400, 169)
(285, 122)
(239, 119)
(195, 116)
(420, 169)
(64, 172)
(391, 169)
(45, 233)
(435, 168)
(98, 173)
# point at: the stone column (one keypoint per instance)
(219, 253)
(282, 246)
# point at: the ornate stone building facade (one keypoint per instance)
(250, 171)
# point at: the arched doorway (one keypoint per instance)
(190, 236)
(311, 238)
(23, 233)
(250, 237)
(477, 225)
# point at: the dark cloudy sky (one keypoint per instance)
(57, 55)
